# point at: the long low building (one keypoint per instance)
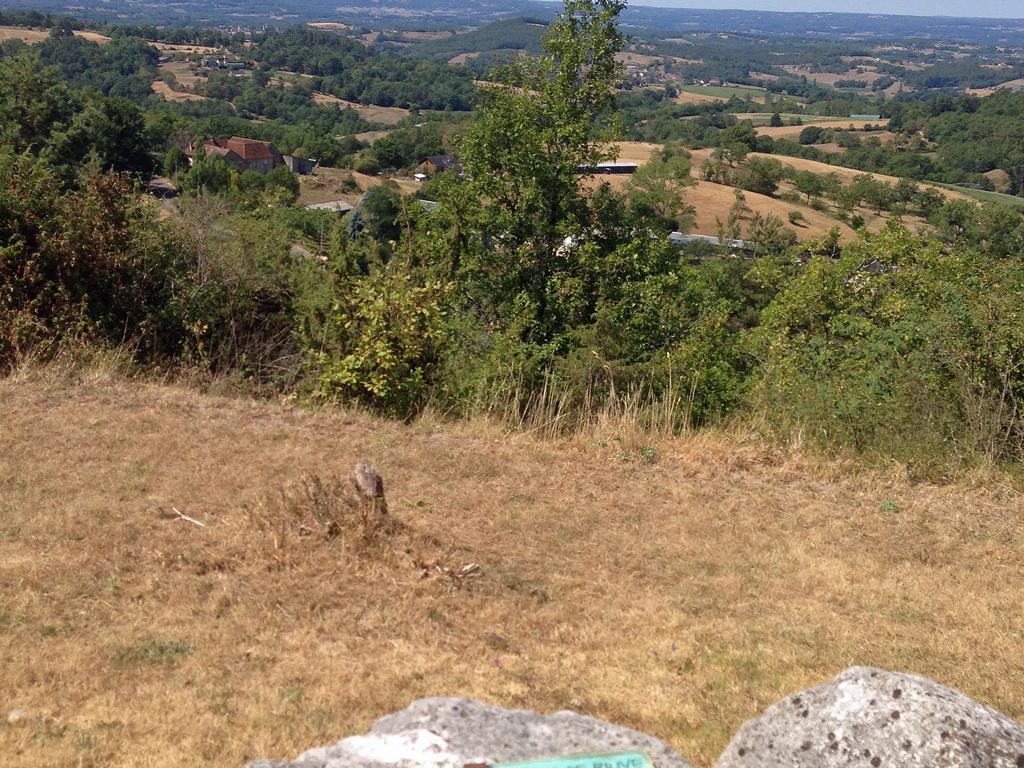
(682, 238)
(607, 168)
(340, 206)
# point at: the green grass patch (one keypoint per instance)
(985, 196)
(724, 91)
(155, 652)
(763, 118)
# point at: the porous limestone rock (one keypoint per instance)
(450, 733)
(877, 719)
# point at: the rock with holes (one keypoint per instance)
(877, 719)
(451, 733)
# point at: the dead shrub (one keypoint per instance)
(318, 509)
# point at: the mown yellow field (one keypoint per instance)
(678, 586)
(792, 132)
(372, 112)
(163, 89)
(33, 35)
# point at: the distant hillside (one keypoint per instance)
(522, 34)
(423, 14)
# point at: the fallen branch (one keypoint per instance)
(186, 518)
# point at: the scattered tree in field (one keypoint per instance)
(808, 183)
(658, 189)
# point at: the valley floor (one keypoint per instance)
(679, 587)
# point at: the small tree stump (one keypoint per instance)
(373, 506)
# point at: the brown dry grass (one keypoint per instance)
(638, 152)
(846, 175)
(712, 201)
(372, 112)
(329, 184)
(183, 73)
(680, 595)
(28, 35)
(1018, 83)
(163, 89)
(32, 35)
(184, 48)
(685, 97)
(793, 131)
(95, 37)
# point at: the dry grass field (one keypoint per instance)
(163, 89)
(184, 48)
(329, 184)
(846, 175)
(686, 97)
(712, 202)
(675, 585)
(28, 35)
(1018, 83)
(183, 73)
(33, 35)
(792, 132)
(372, 112)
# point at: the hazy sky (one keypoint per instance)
(1011, 9)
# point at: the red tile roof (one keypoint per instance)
(250, 149)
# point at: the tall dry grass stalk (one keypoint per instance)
(557, 410)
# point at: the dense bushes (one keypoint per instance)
(899, 348)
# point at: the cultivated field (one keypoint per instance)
(676, 586)
(691, 97)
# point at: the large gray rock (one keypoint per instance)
(449, 733)
(870, 717)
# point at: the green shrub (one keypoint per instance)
(898, 349)
(383, 342)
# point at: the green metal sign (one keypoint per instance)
(622, 760)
